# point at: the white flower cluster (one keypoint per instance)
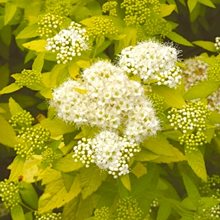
(152, 61)
(106, 99)
(68, 43)
(194, 72)
(108, 151)
(217, 43)
(214, 101)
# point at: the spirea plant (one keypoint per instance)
(109, 110)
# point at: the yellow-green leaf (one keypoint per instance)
(139, 170)
(126, 182)
(201, 90)
(9, 89)
(208, 3)
(207, 45)
(192, 4)
(56, 194)
(57, 126)
(38, 62)
(145, 156)
(16, 168)
(91, 179)
(7, 134)
(166, 10)
(14, 107)
(67, 164)
(172, 97)
(196, 161)
(28, 32)
(17, 213)
(10, 10)
(36, 45)
(160, 146)
(178, 39)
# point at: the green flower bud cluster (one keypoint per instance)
(50, 24)
(158, 104)
(155, 25)
(49, 216)
(101, 26)
(193, 141)
(110, 7)
(128, 209)
(192, 117)
(28, 78)
(214, 70)
(217, 44)
(49, 156)
(211, 187)
(32, 141)
(61, 7)
(102, 214)
(210, 213)
(22, 119)
(137, 12)
(9, 193)
(191, 121)
(153, 206)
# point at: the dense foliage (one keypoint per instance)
(109, 110)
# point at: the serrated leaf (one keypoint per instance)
(38, 63)
(91, 179)
(201, 90)
(56, 76)
(10, 10)
(179, 39)
(190, 186)
(28, 195)
(125, 179)
(17, 213)
(28, 32)
(68, 180)
(31, 170)
(10, 88)
(172, 134)
(192, 4)
(57, 127)
(16, 168)
(196, 161)
(67, 164)
(172, 97)
(166, 10)
(49, 175)
(189, 204)
(214, 117)
(36, 45)
(73, 69)
(86, 207)
(208, 45)
(145, 156)
(56, 195)
(7, 134)
(14, 107)
(160, 146)
(164, 211)
(208, 3)
(28, 216)
(139, 170)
